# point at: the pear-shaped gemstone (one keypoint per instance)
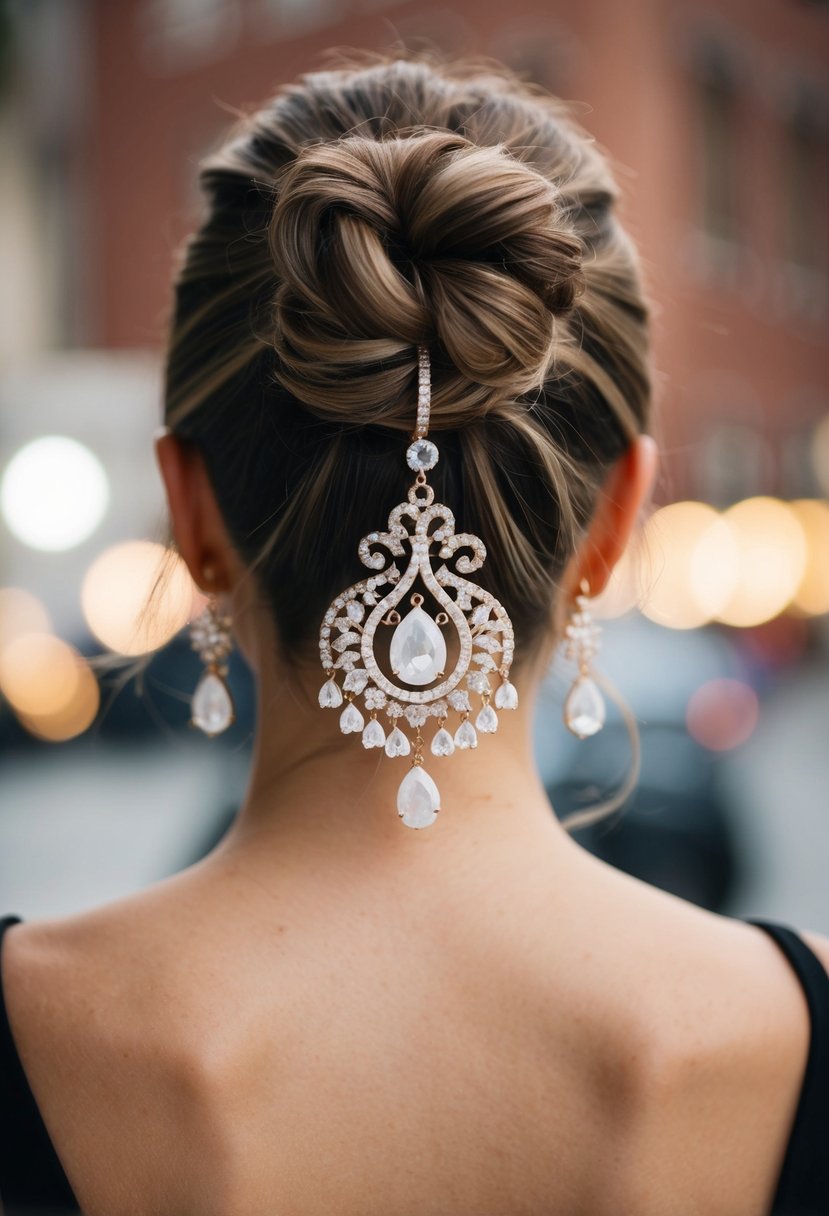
(373, 735)
(465, 736)
(418, 800)
(351, 720)
(212, 708)
(418, 649)
(397, 744)
(506, 696)
(443, 744)
(330, 695)
(584, 709)
(487, 721)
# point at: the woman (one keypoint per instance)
(333, 1013)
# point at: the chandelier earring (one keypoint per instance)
(212, 708)
(584, 707)
(424, 600)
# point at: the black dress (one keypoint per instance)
(32, 1179)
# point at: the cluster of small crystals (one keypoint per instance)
(424, 392)
(346, 615)
(583, 635)
(211, 638)
(491, 635)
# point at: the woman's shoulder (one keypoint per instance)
(107, 1047)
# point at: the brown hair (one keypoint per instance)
(388, 202)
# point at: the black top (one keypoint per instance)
(31, 1176)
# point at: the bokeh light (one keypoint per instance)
(771, 555)
(812, 595)
(73, 717)
(54, 493)
(136, 596)
(675, 590)
(39, 673)
(21, 612)
(714, 566)
(721, 714)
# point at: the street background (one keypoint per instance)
(716, 118)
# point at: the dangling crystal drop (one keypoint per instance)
(397, 744)
(443, 744)
(465, 736)
(506, 696)
(487, 721)
(418, 800)
(418, 649)
(584, 709)
(330, 695)
(212, 707)
(351, 720)
(373, 735)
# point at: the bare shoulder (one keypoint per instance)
(86, 996)
(732, 1031)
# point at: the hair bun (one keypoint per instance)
(383, 244)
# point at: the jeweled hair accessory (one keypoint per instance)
(417, 684)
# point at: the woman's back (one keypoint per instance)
(544, 1039)
(409, 305)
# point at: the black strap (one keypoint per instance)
(804, 1180)
(30, 1173)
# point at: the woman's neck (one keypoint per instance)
(316, 794)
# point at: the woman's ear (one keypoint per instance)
(623, 494)
(197, 524)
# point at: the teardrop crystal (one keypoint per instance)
(373, 735)
(443, 744)
(397, 744)
(418, 800)
(212, 707)
(418, 649)
(506, 696)
(487, 721)
(584, 709)
(330, 695)
(465, 736)
(351, 720)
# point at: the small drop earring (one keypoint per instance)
(212, 708)
(584, 707)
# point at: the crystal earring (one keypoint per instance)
(584, 707)
(418, 683)
(212, 709)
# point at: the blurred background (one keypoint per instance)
(716, 626)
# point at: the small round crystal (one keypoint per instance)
(421, 455)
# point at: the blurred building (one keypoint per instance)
(716, 117)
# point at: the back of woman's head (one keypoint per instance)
(366, 210)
